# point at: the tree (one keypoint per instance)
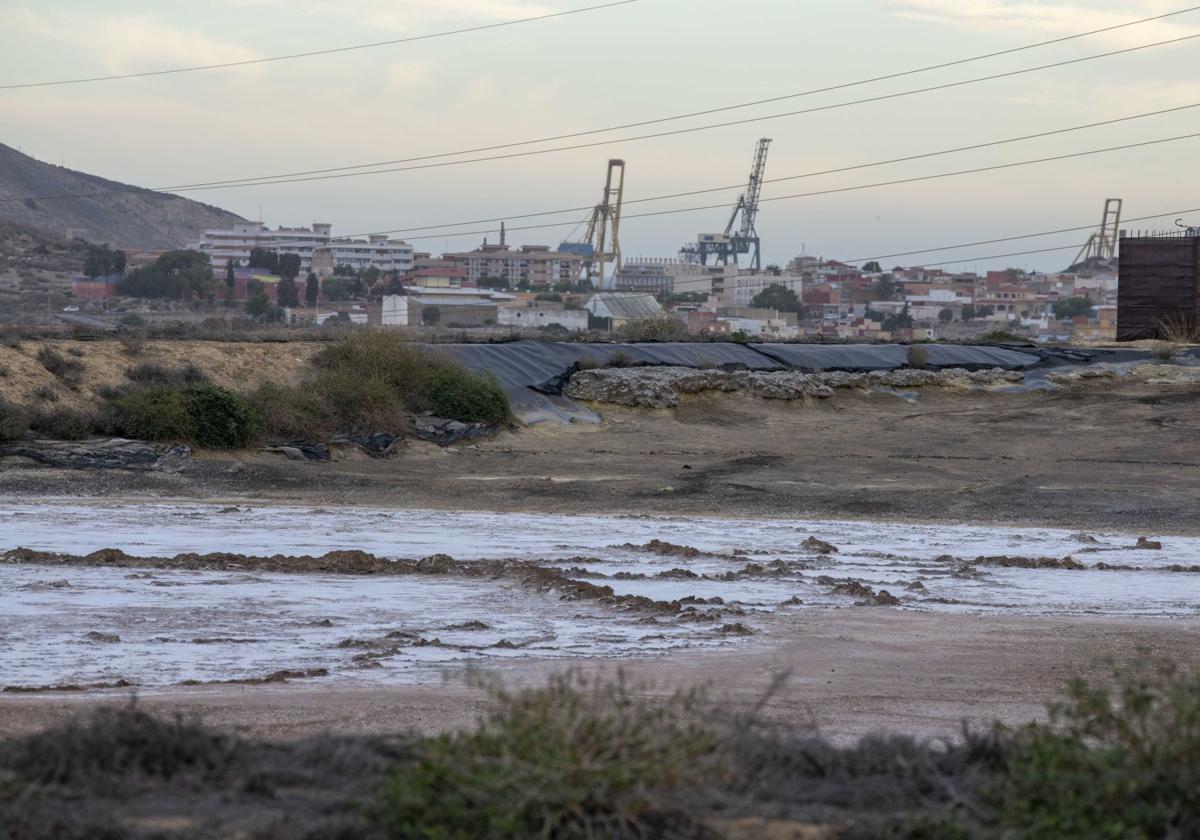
(288, 266)
(886, 288)
(345, 270)
(492, 283)
(900, 321)
(287, 292)
(1068, 308)
(946, 315)
(312, 289)
(780, 298)
(258, 305)
(265, 259)
(774, 269)
(175, 274)
(431, 315)
(873, 267)
(968, 312)
(230, 275)
(102, 261)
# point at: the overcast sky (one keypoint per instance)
(644, 60)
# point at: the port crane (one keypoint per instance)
(741, 238)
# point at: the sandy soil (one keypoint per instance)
(1091, 456)
(851, 671)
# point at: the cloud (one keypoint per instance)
(1049, 19)
(125, 44)
(410, 15)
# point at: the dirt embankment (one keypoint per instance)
(238, 366)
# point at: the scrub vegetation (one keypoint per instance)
(581, 758)
(370, 382)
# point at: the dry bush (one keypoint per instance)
(917, 357)
(1179, 329)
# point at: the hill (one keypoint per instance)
(133, 218)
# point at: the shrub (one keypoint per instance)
(132, 346)
(151, 373)
(917, 357)
(373, 379)
(1004, 336)
(461, 394)
(199, 413)
(45, 393)
(1114, 761)
(4, 371)
(68, 371)
(112, 744)
(132, 319)
(14, 422)
(653, 329)
(573, 760)
(292, 413)
(61, 423)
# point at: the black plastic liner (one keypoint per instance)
(531, 371)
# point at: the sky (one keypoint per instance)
(639, 61)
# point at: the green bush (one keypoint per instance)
(1120, 761)
(292, 413)
(373, 380)
(460, 394)
(151, 373)
(13, 422)
(569, 761)
(68, 371)
(199, 413)
(61, 423)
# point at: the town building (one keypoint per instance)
(530, 265)
(624, 307)
(538, 314)
(317, 248)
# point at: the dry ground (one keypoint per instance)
(1117, 456)
(853, 671)
(1094, 456)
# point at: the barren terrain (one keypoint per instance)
(1115, 456)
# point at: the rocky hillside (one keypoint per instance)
(133, 218)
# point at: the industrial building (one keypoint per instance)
(1159, 283)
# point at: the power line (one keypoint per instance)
(311, 54)
(830, 191)
(706, 112)
(1014, 238)
(838, 170)
(767, 280)
(314, 175)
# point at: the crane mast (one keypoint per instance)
(604, 227)
(737, 239)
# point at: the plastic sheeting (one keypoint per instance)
(865, 357)
(521, 367)
(524, 367)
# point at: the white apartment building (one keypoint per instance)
(236, 243)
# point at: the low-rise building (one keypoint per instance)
(624, 307)
(534, 314)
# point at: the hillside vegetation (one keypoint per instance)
(121, 214)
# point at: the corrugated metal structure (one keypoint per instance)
(1159, 283)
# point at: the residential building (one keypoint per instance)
(318, 250)
(531, 265)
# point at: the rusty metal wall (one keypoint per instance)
(1159, 281)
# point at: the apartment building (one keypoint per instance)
(316, 246)
(532, 265)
